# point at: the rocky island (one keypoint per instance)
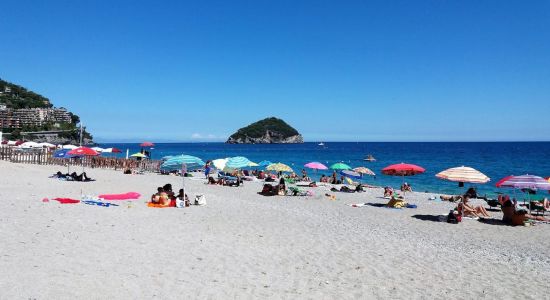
(267, 131)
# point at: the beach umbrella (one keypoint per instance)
(29, 145)
(364, 171)
(47, 145)
(315, 165)
(340, 166)
(403, 170)
(83, 151)
(253, 164)
(111, 150)
(279, 167)
(351, 174)
(548, 179)
(71, 147)
(463, 174)
(19, 142)
(264, 163)
(178, 162)
(525, 182)
(220, 163)
(237, 162)
(146, 144)
(12, 143)
(167, 157)
(138, 155)
(98, 149)
(62, 153)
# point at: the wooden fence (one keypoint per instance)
(45, 157)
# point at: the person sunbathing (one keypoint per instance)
(450, 198)
(155, 198)
(405, 187)
(280, 189)
(388, 191)
(468, 210)
(81, 177)
(211, 180)
(396, 201)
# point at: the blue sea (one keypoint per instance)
(495, 159)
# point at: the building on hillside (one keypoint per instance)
(38, 116)
(8, 120)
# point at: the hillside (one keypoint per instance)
(267, 131)
(23, 111)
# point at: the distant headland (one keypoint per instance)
(27, 115)
(267, 131)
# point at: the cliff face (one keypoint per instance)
(269, 137)
(267, 131)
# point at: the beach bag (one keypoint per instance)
(452, 218)
(180, 203)
(200, 200)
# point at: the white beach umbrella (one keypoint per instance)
(47, 145)
(220, 163)
(12, 143)
(29, 145)
(70, 147)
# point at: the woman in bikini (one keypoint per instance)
(472, 211)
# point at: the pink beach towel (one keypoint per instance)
(66, 200)
(127, 196)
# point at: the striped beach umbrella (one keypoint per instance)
(264, 163)
(351, 174)
(524, 182)
(364, 171)
(463, 174)
(237, 162)
(340, 166)
(177, 162)
(279, 167)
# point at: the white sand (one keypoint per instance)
(243, 245)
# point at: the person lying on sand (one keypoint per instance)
(469, 210)
(450, 198)
(81, 177)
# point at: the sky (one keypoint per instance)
(179, 71)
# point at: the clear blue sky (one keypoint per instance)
(335, 70)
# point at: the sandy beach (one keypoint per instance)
(244, 245)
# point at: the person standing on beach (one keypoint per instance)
(207, 169)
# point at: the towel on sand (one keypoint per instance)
(126, 196)
(66, 200)
(156, 205)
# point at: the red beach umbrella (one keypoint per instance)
(116, 150)
(19, 143)
(403, 169)
(147, 144)
(83, 151)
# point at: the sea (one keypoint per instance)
(494, 159)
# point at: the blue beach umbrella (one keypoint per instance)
(351, 174)
(237, 162)
(177, 162)
(62, 153)
(264, 163)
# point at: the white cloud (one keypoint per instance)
(199, 136)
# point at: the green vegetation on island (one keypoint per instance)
(269, 130)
